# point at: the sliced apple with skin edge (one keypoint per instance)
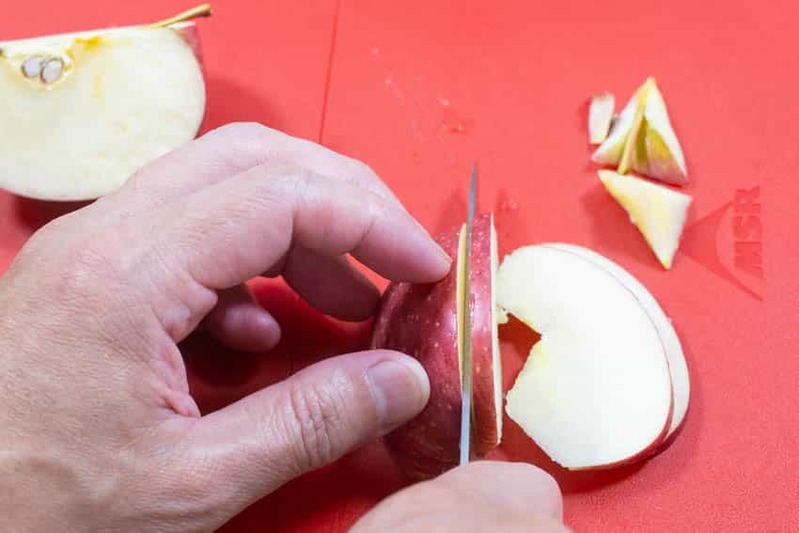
(486, 359)
(611, 149)
(90, 108)
(643, 139)
(662, 157)
(632, 138)
(422, 320)
(596, 390)
(657, 211)
(411, 321)
(678, 368)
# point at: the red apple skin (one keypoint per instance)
(486, 436)
(421, 320)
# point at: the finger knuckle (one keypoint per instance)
(246, 133)
(317, 416)
(363, 170)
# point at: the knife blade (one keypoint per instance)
(466, 329)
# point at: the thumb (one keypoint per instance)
(253, 446)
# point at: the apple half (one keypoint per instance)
(424, 321)
(606, 384)
(85, 110)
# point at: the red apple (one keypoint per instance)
(605, 386)
(422, 320)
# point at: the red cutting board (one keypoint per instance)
(420, 90)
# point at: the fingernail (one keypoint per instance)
(445, 261)
(400, 389)
(445, 258)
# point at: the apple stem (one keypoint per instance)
(203, 10)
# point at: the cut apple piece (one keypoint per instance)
(422, 320)
(611, 150)
(600, 116)
(656, 210)
(664, 158)
(486, 360)
(643, 139)
(596, 390)
(86, 110)
(633, 136)
(678, 368)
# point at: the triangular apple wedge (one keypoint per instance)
(596, 389)
(643, 139)
(658, 211)
(83, 111)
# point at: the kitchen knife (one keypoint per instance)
(466, 330)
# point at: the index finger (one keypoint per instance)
(226, 152)
(228, 233)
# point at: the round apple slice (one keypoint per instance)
(84, 111)
(596, 390)
(423, 320)
(678, 368)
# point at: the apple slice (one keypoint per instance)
(596, 390)
(486, 360)
(643, 139)
(611, 150)
(85, 110)
(657, 211)
(678, 368)
(423, 321)
(633, 137)
(662, 156)
(600, 116)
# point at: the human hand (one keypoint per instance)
(480, 496)
(99, 431)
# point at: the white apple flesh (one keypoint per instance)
(596, 390)
(678, 368)
(658, 211)
(600, 117)
(111, 101)
(643, 139)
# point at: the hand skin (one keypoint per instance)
(99, 431)
(478, 497)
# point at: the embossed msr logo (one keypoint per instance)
(729, 242)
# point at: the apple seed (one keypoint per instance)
(52, 70)
(32, 67)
